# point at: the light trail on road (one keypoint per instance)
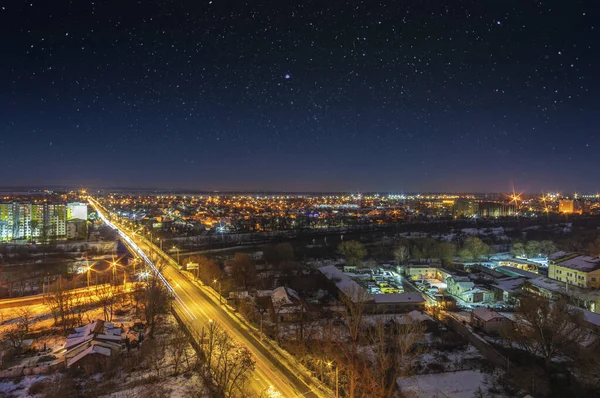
(274, 374)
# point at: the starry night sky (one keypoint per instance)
(301, 95)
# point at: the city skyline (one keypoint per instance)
(312, 97)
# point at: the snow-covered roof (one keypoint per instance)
(473, 291)
(486, 314)
(94, 349)
(559, 254)
(98, 329)
(582, 263)
(398, 298)
(344, 282)
(510, 284)
(417, 316)
(284, 295)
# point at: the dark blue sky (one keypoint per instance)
(312, 95)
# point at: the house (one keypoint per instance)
(479, 294)
(420, 272)
(457, 285)
(489, 321)
(92, 346)
(397, 302)
(286, 304)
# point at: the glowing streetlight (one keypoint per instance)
(337, 381)
(88, 269)
(215, 281)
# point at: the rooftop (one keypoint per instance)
(343, 282)
(581, 263)
(485, 314)
(514, 271)
(398, 298)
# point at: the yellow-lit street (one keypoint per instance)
(275, 373)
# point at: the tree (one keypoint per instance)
(401, 255)
(473, 249)
(355, 302)
(59, 303)
(24, 320)
(446, 252)
(547, 247)
(156, 302)
(353, 251)
(208, 270)
(228, 364)
(106, 298)
(532, 249)
(243, 270)
(546, 328)
(518, 250)
(177, 347)
(395, 349)
(154, 351)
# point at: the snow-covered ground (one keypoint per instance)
(461, 384)
(20, 388)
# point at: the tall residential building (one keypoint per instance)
(24, 220)
(495, 209)
(56, 219)
(7, 221)
(465, 208)
(77, 210)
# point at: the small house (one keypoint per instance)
(488, 320)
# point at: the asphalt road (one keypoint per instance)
(274, 372)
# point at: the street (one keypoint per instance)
(274, 371)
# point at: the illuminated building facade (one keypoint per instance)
(566, 206)
(25, 220)
(465, 208)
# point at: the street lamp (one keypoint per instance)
(337, 380)
(177, 250)
(88, 269)
(114, 269)
(215, 281)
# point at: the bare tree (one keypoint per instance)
(24, 319)
(154, 353)
(546, 328)
(228, 364)
(156, 302)
(177, 346)
(59, 303)
(79, 305)
(395, 348)
(106, 297)
(355, 300)
(401, 255)
(13, 339)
